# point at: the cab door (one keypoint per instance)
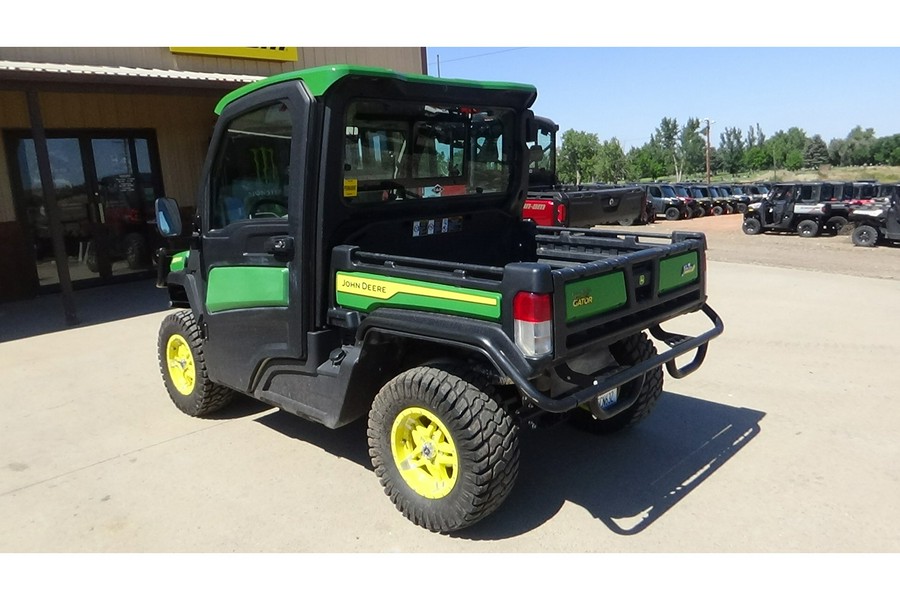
(253, 281)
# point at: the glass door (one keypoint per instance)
(105, 185)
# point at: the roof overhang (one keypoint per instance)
(26, 74)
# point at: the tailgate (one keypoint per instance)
(608, 285)
(587, 208)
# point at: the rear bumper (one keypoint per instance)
(605, 381)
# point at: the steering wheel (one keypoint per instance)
(269, 207)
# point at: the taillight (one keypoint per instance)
(533, 317)
(561, 214)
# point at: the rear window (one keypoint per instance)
(409, 151)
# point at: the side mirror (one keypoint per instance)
(168, 219)
(531, 127)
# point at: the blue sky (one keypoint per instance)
(624, 92)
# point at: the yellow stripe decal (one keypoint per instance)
(381, 289)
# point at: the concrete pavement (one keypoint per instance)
(785, 441)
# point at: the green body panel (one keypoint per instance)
(246, 287)
(589, 297)
(319, 79)
(366, 292)
(677, 271)
(179, 261)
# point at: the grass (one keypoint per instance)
(881, 173)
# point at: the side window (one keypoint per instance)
(250, 177)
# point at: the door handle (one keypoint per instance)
(279, 245)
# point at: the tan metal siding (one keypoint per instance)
(183, 126)
(13, 114)
(407, 59)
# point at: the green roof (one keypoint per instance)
(319, 79)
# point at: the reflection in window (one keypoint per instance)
(250, 177)
(410, 151)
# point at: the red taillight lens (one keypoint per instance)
(561, 214)
(533, 308)
(533, 322)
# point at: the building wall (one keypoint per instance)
(182, 119)
(183, 126)
(406, 59)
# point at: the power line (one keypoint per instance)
(434, 62)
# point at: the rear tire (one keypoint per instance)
(183, 367)
(836, 225)
(808, 228)
(741, 207)
(626, 222)
(630, 351)
(718, 210)
(444, 450)
(751, 226)
(865, 236)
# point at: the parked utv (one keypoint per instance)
(379, 268)
(877, 222)
(666, 203)
(783, 212)
(551, 203)
(682, 192)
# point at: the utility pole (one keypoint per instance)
(439, 64)
(709, 123)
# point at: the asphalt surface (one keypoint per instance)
(784, 441)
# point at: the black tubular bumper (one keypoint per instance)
(495, 345)
(678, 345)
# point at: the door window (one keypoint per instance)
(250, 177)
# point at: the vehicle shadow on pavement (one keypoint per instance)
(348, 442)
(627, 480)
(45, 314)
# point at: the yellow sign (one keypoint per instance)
(281, 53)
(350, 188)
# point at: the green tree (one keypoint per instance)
(860, 143)
(693, 147)
(577, 158)
(757, 158)
(815, 153)
(794, 160)
(611, 164)
(666, 136)
(731, 150)
(648, 161)
(784, 143)
(884, 150)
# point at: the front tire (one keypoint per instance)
(751, 226)
(673, 213)
(630, 351)
(865, 236)
(183, 367)
(444, 450)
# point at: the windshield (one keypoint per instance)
(681, 191)
(668, 191)
(397, 151)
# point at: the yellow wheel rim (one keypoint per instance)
(424, 453)
(181, 364)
